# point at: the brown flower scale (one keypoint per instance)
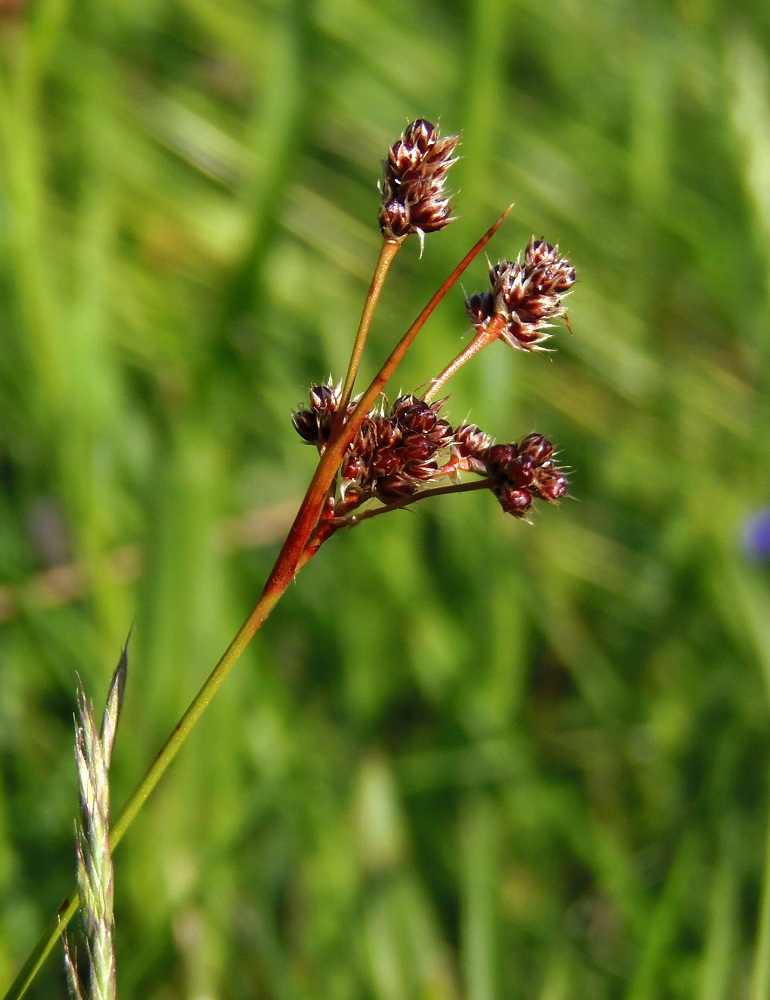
(315, 424)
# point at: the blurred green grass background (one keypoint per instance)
(466, 758)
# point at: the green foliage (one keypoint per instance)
(466, 758)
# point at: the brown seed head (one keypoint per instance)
(514, 501)
(396, 452)
(536, 447)
(480, 308)
(527, 296)
(412, 188)
(469, 440)
(314, 423)
(524, 472)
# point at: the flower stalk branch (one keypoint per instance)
(388, 252)
(484, 337)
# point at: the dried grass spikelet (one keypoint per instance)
(95, 876)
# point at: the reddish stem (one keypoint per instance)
(309, 511)
(437, 491)
(484, 337)
(388, 251)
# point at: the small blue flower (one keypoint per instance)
(756, 536)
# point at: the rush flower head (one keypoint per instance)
(397, 454)
(393, 452)
(526, 297)
(413, 198)
(524, 472)
(314, 423)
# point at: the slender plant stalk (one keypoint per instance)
(294, 553)
(760, 969)
(388, 252)
(398, 352)
(436, 491)
(487, 335)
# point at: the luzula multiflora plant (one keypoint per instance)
(377, 456)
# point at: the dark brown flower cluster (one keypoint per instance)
(413, 199)
(396, 453)
(523, 473)
(528, 296)
(314, 424)
(392, 454)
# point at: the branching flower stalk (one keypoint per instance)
(375, 457)
(519, 308)
(93, 753)
(413, 203)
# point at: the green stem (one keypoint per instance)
(292, 556)
(760, 971)
(151, 777)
